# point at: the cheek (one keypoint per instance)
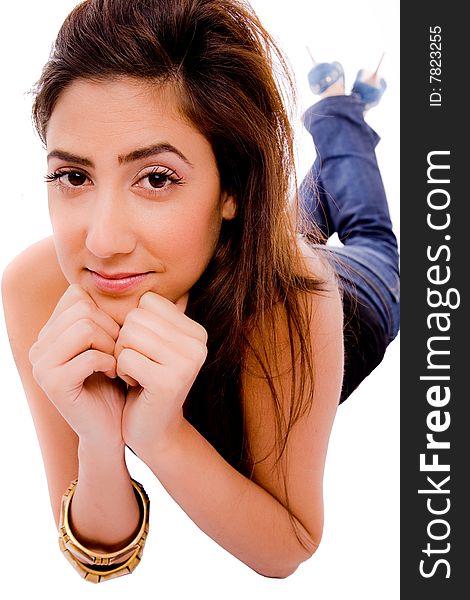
(62, 223)
(68, 242)
(197, 237)
(188, 236)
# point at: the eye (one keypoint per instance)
(69, 178)
(158, 178)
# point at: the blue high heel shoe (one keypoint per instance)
(323, 75)
(368, 88)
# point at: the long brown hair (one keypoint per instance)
(223, 64)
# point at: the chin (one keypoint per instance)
(116, 308)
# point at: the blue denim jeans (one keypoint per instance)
(343, 193)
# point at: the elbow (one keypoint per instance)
(279, 573)
(282, 569)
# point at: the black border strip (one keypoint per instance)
(434, 247)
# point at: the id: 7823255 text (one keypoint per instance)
(435, 65)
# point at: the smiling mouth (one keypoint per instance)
(117, 282)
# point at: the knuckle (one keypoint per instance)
(202, 353)
(145, 298)
(203, 333)
(42, 376)
(86, 308)
(117, 349)
(198, 355)
(87, 327)
(197, 347)
(90, 358)
(33, 353)
(123, 356)
(75, 291)
(123, 338)
(43, 331)
(133, 314)
(87, 357)
(122, 362)
(37, 373)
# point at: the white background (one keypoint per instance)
(359, 554)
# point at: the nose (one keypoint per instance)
(110, 227)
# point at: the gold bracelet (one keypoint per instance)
(97, 566)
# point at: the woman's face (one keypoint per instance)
(134, 193)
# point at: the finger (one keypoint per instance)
(84, 308)
(131, 382)
(82, 335)
(73, 307)
(85, 364)
(137, 366)
(165, 311)
(155, 377)
(70, 377)
(148, 322)
(71, 295)
(158, 348)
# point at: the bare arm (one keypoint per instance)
(104, 509)
(249, 517)
(237, 513)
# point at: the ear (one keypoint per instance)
(229, 207)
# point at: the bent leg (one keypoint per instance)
(344, 194)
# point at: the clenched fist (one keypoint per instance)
(74, 363)
(159, 353)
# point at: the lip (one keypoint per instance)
(117, 282)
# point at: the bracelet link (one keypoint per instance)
(96, 566)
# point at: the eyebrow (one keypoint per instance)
(138, 154)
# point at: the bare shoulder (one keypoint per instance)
(323, 307)
(32, 284)
(279, 337)
(315, 263)
(35, 266)
(326, 306)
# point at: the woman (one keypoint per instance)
(184, 316)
